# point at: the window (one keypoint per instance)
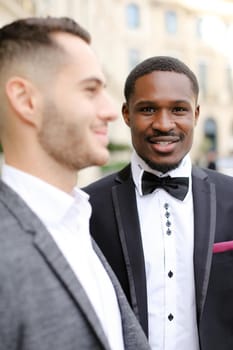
(229, 80)
(202, 75)
(199, 28)
(171, 22)
(210, 131)
(132, 16)
(134, 58)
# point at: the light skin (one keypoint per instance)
(53, 130)
(162, 113)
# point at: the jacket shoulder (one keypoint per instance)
(222, 182)
(107, 182)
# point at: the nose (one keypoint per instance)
(108, 109)
(163, 121)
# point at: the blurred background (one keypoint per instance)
(125, 32)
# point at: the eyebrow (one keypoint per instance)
(94, 80)
(142, 102)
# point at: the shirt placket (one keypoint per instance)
(169, 277)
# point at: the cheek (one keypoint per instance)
(187, 125)
(139, 125)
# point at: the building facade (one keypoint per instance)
(124, 32)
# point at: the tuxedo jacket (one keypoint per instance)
(42, 304)
(115, 226)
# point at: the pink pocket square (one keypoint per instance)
(222, 246)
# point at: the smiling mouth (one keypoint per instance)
(163, 143)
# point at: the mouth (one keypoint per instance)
(102, 135)
(163, 145)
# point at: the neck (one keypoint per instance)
(54, 174)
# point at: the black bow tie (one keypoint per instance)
(176, 186)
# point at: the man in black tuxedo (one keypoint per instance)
(164, 225)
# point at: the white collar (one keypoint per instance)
(138, 166)
(48, 202)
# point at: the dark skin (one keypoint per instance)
(162, 113)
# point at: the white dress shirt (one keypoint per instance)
(67, 219)
(168, 239)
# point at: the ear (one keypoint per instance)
(125, 113)
(197, 113)
(22, 98)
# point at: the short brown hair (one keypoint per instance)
(29, 36)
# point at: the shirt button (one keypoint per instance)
(168, 223)
(170, 317)
(169, 232)
(170, 274)
(166, 205)
(167, 214)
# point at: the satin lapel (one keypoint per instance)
(59, 265)
(124, 201)
(204, 201)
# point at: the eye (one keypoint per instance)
(91, 88)
(147, 110)
(179, 109)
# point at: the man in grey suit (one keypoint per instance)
(56, 289)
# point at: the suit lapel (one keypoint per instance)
(204, 201)
(47, 247)
(124, 201)
(59, 265)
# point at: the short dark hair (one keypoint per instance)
(29, 36)
(159, 63)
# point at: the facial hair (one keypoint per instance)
(163, 168)
(60, 139)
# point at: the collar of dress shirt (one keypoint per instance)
(138, 166)
(49, 203)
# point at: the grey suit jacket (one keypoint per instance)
(42, 304)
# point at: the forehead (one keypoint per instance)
(160, 85)
(79, 56)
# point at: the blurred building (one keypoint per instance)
(125, 32)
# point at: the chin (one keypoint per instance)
(163, 167)
(101, 159)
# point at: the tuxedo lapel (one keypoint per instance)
(125, 206)
(57, 263)
(204, 201)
